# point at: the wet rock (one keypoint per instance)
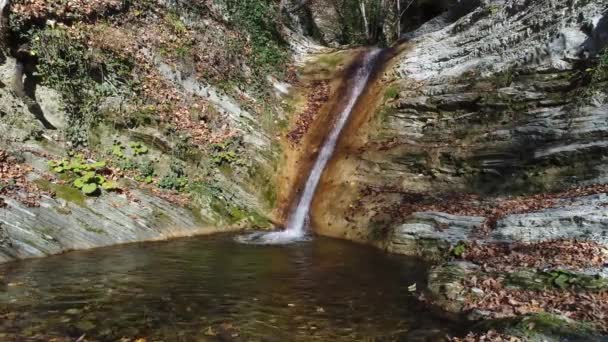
(445, 284)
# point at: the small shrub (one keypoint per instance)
(83, 77)
(391, 93)
(225, 153)
(173, 182)
(459, 250)
(176, 178)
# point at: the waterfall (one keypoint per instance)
(299, 217)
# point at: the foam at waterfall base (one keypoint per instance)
(283, 237)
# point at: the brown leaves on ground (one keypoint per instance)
(502, 302)
(163, 100)
(317, 97)
(63, 10)
(171, 196)
(492, 209)
(572, 254)
(14, 183)
(489, 336)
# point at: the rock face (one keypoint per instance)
(59, 225)
(166, 77)
(501, 101)
(432, 235)
(585, 218)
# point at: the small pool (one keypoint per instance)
(215, 289)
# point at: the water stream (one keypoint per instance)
(299, 218)
(216, 289)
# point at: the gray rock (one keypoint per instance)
(586, 218)
(58, 225)
(431, 235)
(52, 106)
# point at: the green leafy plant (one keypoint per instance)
(225, 153)
(84, 175)
(146, 172)
(173, 182)
(138, 148)
(118, 150)
(459, 250)
(176, 178)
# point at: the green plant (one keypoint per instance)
(176, 23)
(225, 153)
(494, 9)
(391, 93)
(173, 182)
(138, 148)
(259, 19)
(459, 250)
(176, 178)
(84, 175)
(118, 150)
(146, 172)
(82, 75)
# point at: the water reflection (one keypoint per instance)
(214, 288)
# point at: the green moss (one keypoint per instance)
(530, 279)
(546, 324)
(64, 192)
(92, 229)
(391, 93)
(330, 61)
(263, 183)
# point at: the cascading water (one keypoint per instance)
(298, 220)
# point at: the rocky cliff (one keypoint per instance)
(128, 121)
(486, 137)
(508, 100)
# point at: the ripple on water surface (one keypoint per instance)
(213, 288)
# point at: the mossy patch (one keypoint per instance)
(391, 93)
(546, 324)
(67, 193)
(92, 229)
(530, 279)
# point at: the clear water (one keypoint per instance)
(298, 220)
(215, 289)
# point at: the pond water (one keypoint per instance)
(215, 289)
